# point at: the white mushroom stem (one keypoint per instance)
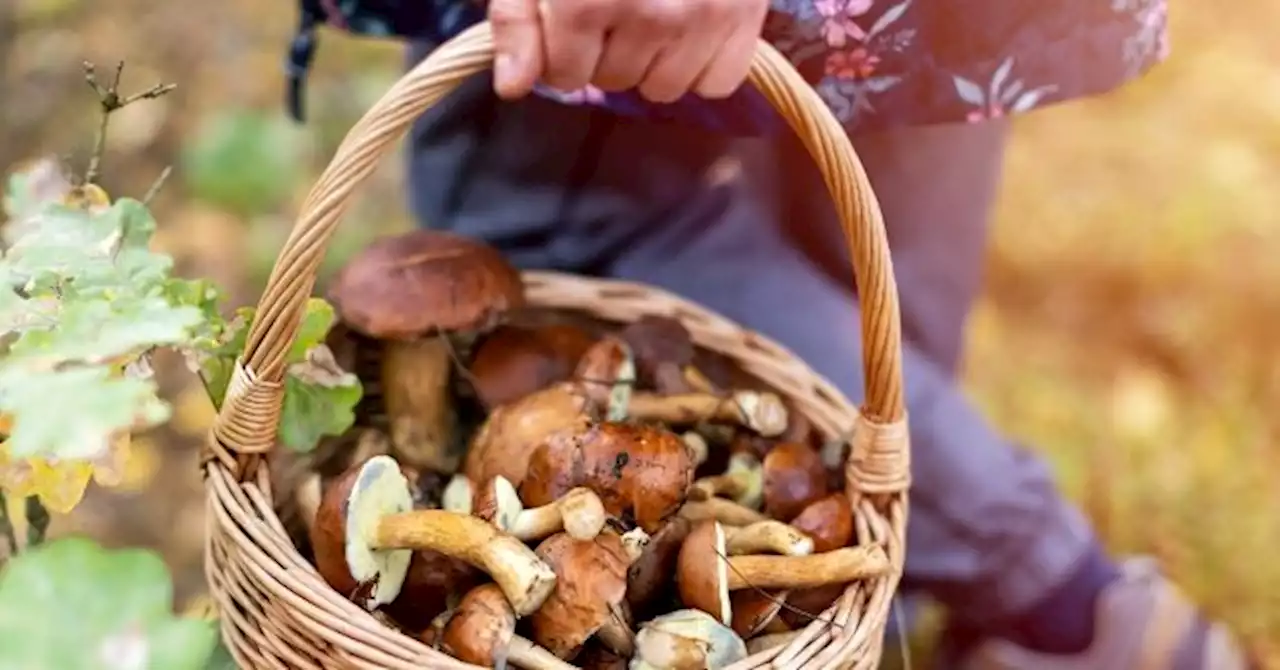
(579, 513)
(415, 380)
(726, 512)
(742, 482)
(523, 653)
(697, 446)
(759, 411)
(457, 495)
(767, 537)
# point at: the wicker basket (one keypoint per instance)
(276, 610)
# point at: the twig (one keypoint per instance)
(37, 522)
(157, 185)
(110, 101)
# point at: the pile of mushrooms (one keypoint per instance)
(598, 497)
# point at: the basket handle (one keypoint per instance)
(247, 422)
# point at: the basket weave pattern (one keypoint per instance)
(276, 610)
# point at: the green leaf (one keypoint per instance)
(72, 412)
(316, 321)
(245, 161)
(72, 604)
(221, 659)
(99, 331)
(317, 404)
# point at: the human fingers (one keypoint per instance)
(728, 69)
(517, 44)
(573, 39)
(713, 26)
(640, 31)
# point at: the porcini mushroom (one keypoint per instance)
(503, 444)
(686, 640)
(706, 574)
(590, 595)
(607, 374)
(579, 512)
(482, 631)
(759, 411)
(726, 512)
(432, 585)
(742, 482)
(653, 571)
(423, 294)
(664, 352)
(766, 537)
(639, 471)
(514, 361)
(366, 530)
(794, 477)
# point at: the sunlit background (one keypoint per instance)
(1135, 267)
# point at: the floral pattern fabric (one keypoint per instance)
(876, 63)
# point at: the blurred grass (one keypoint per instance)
(1132, 267)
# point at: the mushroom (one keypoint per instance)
(686, 640)
(607, 375)
(590, 595)
(742, 482)
(698, 447)
(642, 472)
(514, 361)
(457, 495)
(652, 572)
(432, 585)
(828, 525)
(726, 512)
(767, 537)
(423, 295)
(366, 531)
(759, 411)
(794, 477)
(482, 631)
(664, 352)
(503, 444)
(595, 656)
(706, 575)
(579, 512)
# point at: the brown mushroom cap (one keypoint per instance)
(701, 575)
(434, 582)
(653, 572)
(514, 361)
(504, 443)
(481, 628)
(658, 342)
(591, 585)
(638, 471)
(828, 522)
(405, 286)
(794, 477)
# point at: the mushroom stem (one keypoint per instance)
(415, 378)
(457, 495)
(760, 411)
(580, 513)
(523, 653)
(697, 381)
(308, 498)
(767, 537)
(697, 445)
(524, 578)
(742, 481)
(726, 512)
(799, 572)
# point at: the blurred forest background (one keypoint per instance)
(1135, 265)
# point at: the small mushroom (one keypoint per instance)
(706, 575)
(504, 443)
(653, 571)
(514, 361)
(366, 530)
(590, 595)
(579, 512)
(766, 537)
(423, 295)
(686, 640)
(794, 477)
(482, 631)
(664, 353)
(759, 411)
(639, 471)
(742, 482)
(607, 374)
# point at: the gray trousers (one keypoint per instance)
(579, 190)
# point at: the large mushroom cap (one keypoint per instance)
(405, 286)
(702, 573)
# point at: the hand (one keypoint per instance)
(663, 48)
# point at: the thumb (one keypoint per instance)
(517, 43)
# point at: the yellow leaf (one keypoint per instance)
(130, 465)
(61, 485)
(109, 468)
(89, 197)
(193, 412)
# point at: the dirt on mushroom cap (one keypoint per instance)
(591, 583)
(638, 471)
(409, 285)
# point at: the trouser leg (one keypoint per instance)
(572, 189)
